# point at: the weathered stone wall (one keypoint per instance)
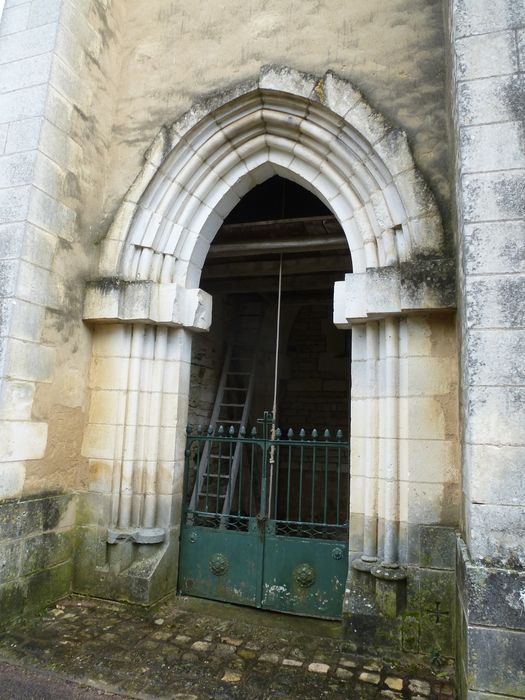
(37, 547)
(175, 52)
(56, 88)
(487, 63)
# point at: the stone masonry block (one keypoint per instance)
(26, 72)
(495, 660)
(428, 461)
(30, 42)
(494, 597)
(20, 518)
(52, 215)
(23, 135)
(494, 196)
(29, 361)
(494, 247)
(9, 560)
(11, 240)
(12, 477)
(495, 474)
(14, 19)
(8, 271)
(27, 321)
(496, 415)
(486, 55)
(490, 100)
(44, 12)
(23, 103)
(491, 147)
(437, 634)
(438, 547)
(497, 532)
(17, 400)
(286, 79)
(495, 301)
(14, 202)
(483, 346)
(485, 16)
(22, 440)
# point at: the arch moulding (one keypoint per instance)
(319, 132)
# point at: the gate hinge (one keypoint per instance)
(139, 535)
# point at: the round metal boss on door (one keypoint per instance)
(337, 553)
(218, 564)
(304, 575)
(194, 537)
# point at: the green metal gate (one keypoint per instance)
(265, 521)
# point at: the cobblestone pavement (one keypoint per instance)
(187, 649)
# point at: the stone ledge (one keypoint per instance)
(113, 300)
(411, 287)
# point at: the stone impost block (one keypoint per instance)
(113, 301)
(417, 286)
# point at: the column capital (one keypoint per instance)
(417, 286)
(113, 300)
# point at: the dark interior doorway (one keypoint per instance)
(265, 518)
(241, 273)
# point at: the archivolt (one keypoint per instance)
(319, 133)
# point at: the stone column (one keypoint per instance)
(403, 486)
(135, 439)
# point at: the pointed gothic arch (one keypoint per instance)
(320, 133)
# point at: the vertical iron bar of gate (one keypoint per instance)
(290, 436)
(241, 452)
(277, 468)
(326, 450)
(314, 437)
(301, 462)
(208, 452)
(338, 437)
(252, 461)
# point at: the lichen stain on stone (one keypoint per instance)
(319, 91)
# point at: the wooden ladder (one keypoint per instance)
(231, 408)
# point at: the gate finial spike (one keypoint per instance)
(327, 434)
(289, 434)
(339, 435)
(314, 434)
(242, 431)
(278, 433)
(302, 433)
(199, 429)
(231, 431)
(189, 429)
(221, 430)
(210, 430)
(254, 431)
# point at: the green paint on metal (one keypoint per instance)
(280, 542)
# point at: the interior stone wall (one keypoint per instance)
(314, 391)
